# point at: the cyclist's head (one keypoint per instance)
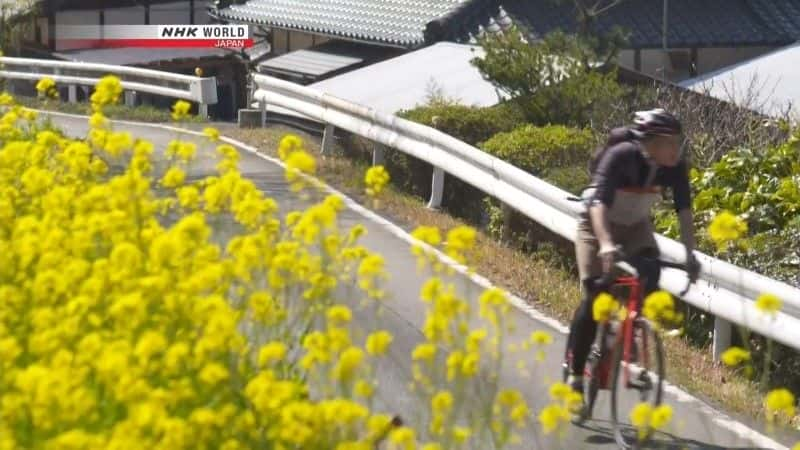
(660, 132)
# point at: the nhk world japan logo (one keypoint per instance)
(154, 36)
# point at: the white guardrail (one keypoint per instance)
(202, 90)
(725, 290)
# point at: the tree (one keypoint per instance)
(11, 27)
(549, 79)
(597, 47)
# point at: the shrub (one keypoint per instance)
(470, 124)
(556, 153)
(538, 149)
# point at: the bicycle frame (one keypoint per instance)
(634, 303)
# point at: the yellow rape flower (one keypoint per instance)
(173, 178)
(364, 389)
(339, 314)
(180, 110)
(403, 438)
(725, 228)
(98, 120)
(349, 361)
(769, 304)
(47, 88)
(271, 352)
(299, 162)
(288, 145)
(213, 373)
(604, 307)
(659, 307)
(735, 356)
(780, 402)
(428, 235)
(424, 352)
(211, 133)
(6, 99)
(661, 417)
(376, 179)
(460, 240)
(378, 342)
(552, 417)
(106, 92)
(540, 337)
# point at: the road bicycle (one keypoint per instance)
(615, 359)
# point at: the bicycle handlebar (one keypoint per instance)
(605, 281)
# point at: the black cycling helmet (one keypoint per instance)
(656, 121)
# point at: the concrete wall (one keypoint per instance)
(125, 16)
(284, 41)
(652, 61)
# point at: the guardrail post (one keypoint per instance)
(202, 110)
(437, 188)
(378, 154)
(130, 98)
(262, 105)
(722, 337)
(72, 93)
(327, 140)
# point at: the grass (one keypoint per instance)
(540, 278)
(141, 113)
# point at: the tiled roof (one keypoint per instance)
(691, 23)
(411, 23)
(782, 15)
(394, 22)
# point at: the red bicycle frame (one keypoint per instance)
(634, 300)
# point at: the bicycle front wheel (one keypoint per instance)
(637, 378)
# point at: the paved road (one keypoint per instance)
(695, 427)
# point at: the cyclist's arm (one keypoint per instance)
(683, 206)
(600, 224)
(606, 179)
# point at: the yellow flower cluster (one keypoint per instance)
(646, 418)
(180, 110)
(472, 358)
(659, 308)
(726, 228)
(604, 307)
(780, 404)
(46, 87)
(376, 179)
(128, 321)
(107, 92)
(769, 304)
(735, 356)
(558, 413)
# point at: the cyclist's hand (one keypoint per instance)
(693, 267)
(608, 256)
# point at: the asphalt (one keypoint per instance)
(694, 426)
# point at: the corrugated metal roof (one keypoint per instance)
(407, 80)
(767, 84)
(395, 22)
(309, 63)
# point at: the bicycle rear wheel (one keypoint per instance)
(644, 378)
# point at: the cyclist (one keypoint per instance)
(628, 175)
